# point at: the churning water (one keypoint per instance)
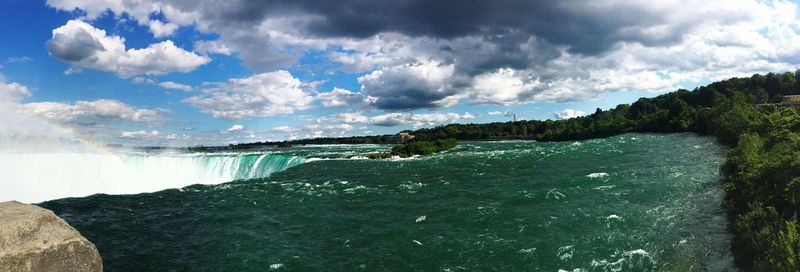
(636, 202)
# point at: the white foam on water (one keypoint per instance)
(275, 266)
(636, 252)
(615, 266)
(604, 187)
(597, 175)
(351, 158)
(420, 219)
(565, 252)
(613, 216)
(527, 250)
(555, 193)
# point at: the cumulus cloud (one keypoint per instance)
(351, 117)
(12, 93)
(175, 86)
(410, 86)
(106, 109)
(212, 47)
(265, 94)
(96, 119)
(341, 127)
(161, 29)
(85, 46)
(568, 113)
(555, 51)
(235, 128)
(338, 97)
(493, 113)
(415, 120)
(285, 129)
(315, 130)
(398, 118)
(503, 86)
(139, 134)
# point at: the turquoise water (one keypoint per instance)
(636, 202)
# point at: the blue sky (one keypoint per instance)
(181, 73)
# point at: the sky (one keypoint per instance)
(204, 72)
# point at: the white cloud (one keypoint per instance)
(669, 44)
(338, 97)
(161, 29)
(96, 119)
(568, 113)
(415, 120)
(20, 59)
(397, 119)
(503, 86)
(98, 109)
(265, 94)
(85, 46)
(12, 93)
(351, 117)
(493, 113)
(176, 86)
(236, 127)
(212, 47)
(285, 129)
(139, 134)
(423, 84)
(142, 80)
(340, 129)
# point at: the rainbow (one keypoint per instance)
(60, 130)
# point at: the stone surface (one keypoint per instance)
(35, 239)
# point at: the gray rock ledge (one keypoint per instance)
(35, 239)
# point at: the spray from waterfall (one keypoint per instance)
(42, 161)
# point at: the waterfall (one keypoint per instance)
(35, 177)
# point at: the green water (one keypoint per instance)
(484, 206)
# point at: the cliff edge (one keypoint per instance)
(35, 239)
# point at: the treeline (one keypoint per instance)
(374, 139)
(761, 172)
(678, 111)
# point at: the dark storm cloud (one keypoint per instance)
(590, 27)
(585, 27)
(75, 47)
(403, 99)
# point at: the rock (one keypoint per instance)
(35, 239)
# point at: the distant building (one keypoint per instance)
(792, 101)
(401, 137)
